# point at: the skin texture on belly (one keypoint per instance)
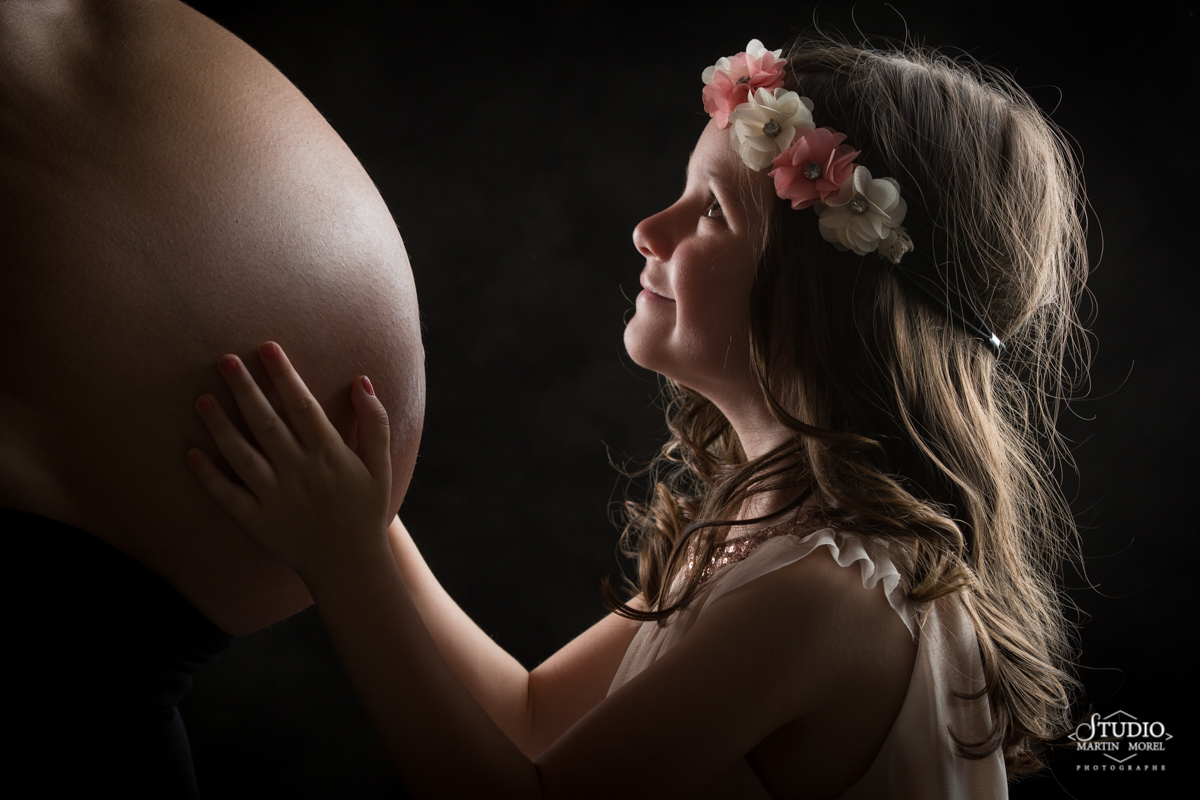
(167, 196)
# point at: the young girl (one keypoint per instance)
(863, 303)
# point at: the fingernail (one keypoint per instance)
(205, 405)
(193, 457)
(269, 350)
(367, 385)
(229, 365)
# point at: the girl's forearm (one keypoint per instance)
(493, 677)
(438, 737)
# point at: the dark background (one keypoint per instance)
(517, 148)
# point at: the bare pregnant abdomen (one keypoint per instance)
(166, 197)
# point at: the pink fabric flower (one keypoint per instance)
(820, 154)
(732, 80)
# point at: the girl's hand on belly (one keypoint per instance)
(316, 504)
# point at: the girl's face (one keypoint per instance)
(692, 320)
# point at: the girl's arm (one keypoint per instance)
(661, 735)
(737, 676)
(532, 708)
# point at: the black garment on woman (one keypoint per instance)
(103, 651)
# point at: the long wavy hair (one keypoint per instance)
(907, 427)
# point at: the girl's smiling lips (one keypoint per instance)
(651, 292)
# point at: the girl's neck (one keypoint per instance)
(768, 503)
(757, 429)
(759, 433)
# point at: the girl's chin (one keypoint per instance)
(640, 344)
(650, 358)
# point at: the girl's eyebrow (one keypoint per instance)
(708, 175)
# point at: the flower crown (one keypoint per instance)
(771, 126)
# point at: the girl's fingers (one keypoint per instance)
(246, 461)
(303, 411)
(374, 432)
(272, 435)
(236, 501)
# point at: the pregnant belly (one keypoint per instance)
(189, 203)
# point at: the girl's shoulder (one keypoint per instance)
(842, 648)
(903, 693)
(811, 567)
(831, 606)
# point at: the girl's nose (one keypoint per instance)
(652, 237)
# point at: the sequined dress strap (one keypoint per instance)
(734, 550)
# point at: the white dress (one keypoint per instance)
(917, 759)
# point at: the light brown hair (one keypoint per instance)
(907, 428)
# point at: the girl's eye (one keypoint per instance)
(713, 211)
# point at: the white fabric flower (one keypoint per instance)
(766, 125)
(866, 214)
(756, 50)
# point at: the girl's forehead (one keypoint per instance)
(714, 155)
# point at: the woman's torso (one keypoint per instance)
(166, 196)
